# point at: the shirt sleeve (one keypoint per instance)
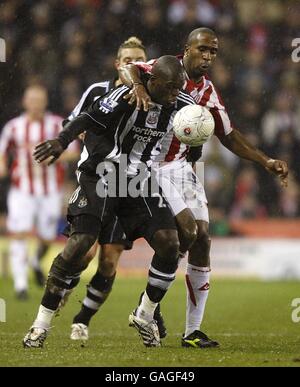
(103, 114)
(109, 109)
(145, 67)
(85, 101)
(223, 125)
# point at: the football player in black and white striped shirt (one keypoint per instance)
(121, 129)
(112, 239)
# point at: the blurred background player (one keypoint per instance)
(35, 196)
(112, 239)
(200, 52)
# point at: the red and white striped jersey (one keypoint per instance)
(20, 136)
(204, 93)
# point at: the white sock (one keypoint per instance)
(19, 264)
(197, 287)
(146, 308)
(44, 318)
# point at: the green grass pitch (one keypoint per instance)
(251, 320)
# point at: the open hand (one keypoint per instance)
(50, 148)
(139, 95)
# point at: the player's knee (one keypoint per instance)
(203, 238)
(78, 246)
(166, 244)
(189, 234)
(90, 254)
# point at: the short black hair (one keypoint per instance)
(167, 66)
(202, 30)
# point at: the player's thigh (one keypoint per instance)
(21, 211)
(144, 216)
(48, 214)
(172, 195)
(192, 190)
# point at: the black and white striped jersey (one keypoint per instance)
(93, 92)
(122, 129)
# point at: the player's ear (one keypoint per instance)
(153, 78)
(186, 50)
(117, 64)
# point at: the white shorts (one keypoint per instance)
(26, 212)
(182, 189)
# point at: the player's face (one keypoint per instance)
(200, 54)
(35, 101)
(165, 91)
(130, 55)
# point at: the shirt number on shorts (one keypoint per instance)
(161, 203)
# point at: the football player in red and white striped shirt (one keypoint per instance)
(35, 195)
(200, 51)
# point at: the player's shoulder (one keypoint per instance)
(118, 93)
(184, 99)
(114, 99)
(96, 90)
(15, 121)
(99, 88)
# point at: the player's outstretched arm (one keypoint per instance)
(54, 148)
(239, 145)
(130, 76)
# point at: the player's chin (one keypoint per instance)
(202, 69)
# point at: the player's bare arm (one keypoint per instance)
(240, 146)
(131, 77)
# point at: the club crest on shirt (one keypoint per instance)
(152, 118)
(82, 202)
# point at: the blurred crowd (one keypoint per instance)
(72, 43)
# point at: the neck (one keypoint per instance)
(34, 116)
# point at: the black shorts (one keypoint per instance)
(86, 208)
(85, 215)
(139, 217)
(112, 233)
